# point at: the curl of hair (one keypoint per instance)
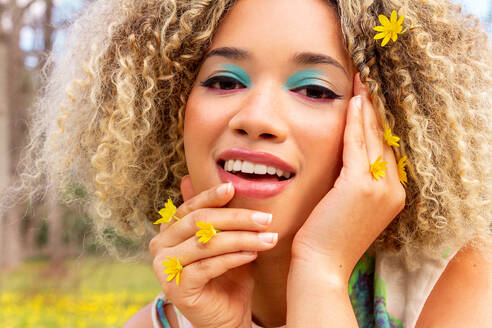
(117, 129)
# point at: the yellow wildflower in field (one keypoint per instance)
(207, 231)
(389, 28)
(390, 139)
(401, 170)
(173, 268)
(378, 167)
(167, 213)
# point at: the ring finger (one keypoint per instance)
(223, 242)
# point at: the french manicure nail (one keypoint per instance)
(224, 189)
(262, 218)
(268, 237)
(357, 102)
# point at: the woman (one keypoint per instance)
(173, 90)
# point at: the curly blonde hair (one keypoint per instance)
(110, 117)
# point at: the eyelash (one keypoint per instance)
(330, 95)
(220, 79)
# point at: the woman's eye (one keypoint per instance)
(222, 83)
(316, 92)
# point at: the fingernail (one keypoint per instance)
(262, 218)
(268, 237)
(224, 189)
(357, 102)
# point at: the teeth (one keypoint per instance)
(249, 167)
(229, 165)
(237, 165)
(260, 169)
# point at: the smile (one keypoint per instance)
(254, 174)
(252, 185)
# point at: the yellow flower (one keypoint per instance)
(401, 170)
(389, 29)
(167, 213)
(207, 231)
(390, 139)
(378, 167)
(173, 268)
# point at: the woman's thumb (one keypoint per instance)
(187, 188)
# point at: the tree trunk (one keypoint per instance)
(14, 74)
(12, 238)
(55, 231)
(4, 141)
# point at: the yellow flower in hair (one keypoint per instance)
(173, 268)
(401, 170)
(378, 167)
(389, 28)
(207, 231)
(390, 139)
(167, 213)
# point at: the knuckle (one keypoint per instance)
(157, 262)
(401, 196)
(202, 266)
(374, 128)
(358, 142)
(195, 216)
(366, 189)
(185, 208)
(154, 245)
(241, 215)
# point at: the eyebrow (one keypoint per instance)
(302, 58)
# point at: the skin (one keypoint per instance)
(332, 193)
(269, 118)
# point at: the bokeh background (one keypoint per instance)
(53, 272)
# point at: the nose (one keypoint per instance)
(260, 115)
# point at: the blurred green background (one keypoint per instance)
(90, 291)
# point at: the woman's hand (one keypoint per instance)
(215, 287)
(357, 209)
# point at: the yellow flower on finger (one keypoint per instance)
(389, 28)
(167, 213)
(390, 139)
(173, 269)
(378, 167)
(206, 232)
(402, 174)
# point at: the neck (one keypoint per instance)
(270, 271)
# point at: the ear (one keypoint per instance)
(187, 188)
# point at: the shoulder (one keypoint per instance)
(143, 318)
(463, 294)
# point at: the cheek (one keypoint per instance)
(203, 118)
(322, 147)
(323, 141)
(202, 128)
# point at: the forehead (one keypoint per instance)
(281, 28)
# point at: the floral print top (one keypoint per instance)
(382, 292)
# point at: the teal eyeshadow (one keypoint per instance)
(237, 73)
(303, 78)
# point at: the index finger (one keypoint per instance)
(217, 196)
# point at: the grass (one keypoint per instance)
(88, 292)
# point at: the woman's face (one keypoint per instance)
(282, 87)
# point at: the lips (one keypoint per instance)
(262, 187)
